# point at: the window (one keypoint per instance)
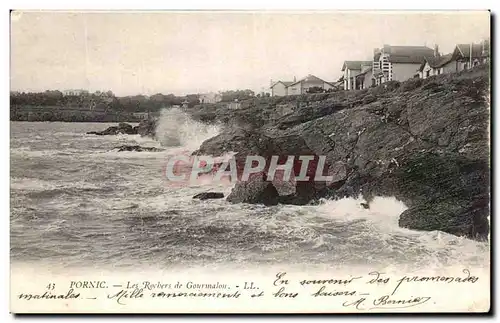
(438, 71)
(427, 73)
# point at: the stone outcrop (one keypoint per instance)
(426, 142)
(208, 195)
(137, 148)
(144, 128)
(147, 128)
(122, 128)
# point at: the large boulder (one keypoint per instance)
(137, 148)
(208, 195)
(147, 128)
(236, 140)
(122, 128)
(257, 190)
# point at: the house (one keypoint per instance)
(304, 85)
(234, 105)
(350, 70)
(398, 63)
(301, 86)
(365, 78)
(280, 88)
(141, 115)
(74, 92)
(462, 54)
(457, 61)
(210, 97)
(436, 65)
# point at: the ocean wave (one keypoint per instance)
(177, 128)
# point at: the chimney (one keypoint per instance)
(271, 83)
(436, 51)
(294, 79)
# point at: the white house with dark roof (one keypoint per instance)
(350, 70)
(210, 97)
(467, 56)
(436, 65)
(457, 61)
(279, 88)
(302, 86)
(398, 63)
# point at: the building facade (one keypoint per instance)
(467, 56)
(302, 86)
(398, 63)
(210, 97)
(350, 70)
(279, 88)
(75, 92)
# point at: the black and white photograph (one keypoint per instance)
(205, 161)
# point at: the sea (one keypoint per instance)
(77, 202)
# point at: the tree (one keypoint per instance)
(230, 96)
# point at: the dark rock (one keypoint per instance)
(365, 205)
(411, 84)
(236, 140)
(369, 99)
(451, 216)
(147, 128)
(208, 195)
(424, 142)
(257, 190)
(137, 148)
(122, 128)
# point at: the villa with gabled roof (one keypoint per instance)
(283, 88)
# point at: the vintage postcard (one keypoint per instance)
(250, 161)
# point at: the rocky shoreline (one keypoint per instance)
(425, 142)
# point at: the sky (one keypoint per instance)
(179, 52)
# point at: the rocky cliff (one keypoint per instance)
(426, 142)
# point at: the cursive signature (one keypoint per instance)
(386, 301)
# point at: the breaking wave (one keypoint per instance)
(176, 128)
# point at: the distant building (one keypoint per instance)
(398, 63)
(351, 69)
(75, 92)
(234, 105)
(457, 61)
(302, 86)
(280, 88)
(141, 115)
(436, 65)
(467, 56)
(210, 97)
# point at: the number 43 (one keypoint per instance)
(51, 286)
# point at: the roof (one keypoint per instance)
(436, 62)
(285, 83)
(408, 54)
(364, 73)
(477, 50)
(354, 65)
(310, 78)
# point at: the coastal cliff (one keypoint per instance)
(426, 142)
